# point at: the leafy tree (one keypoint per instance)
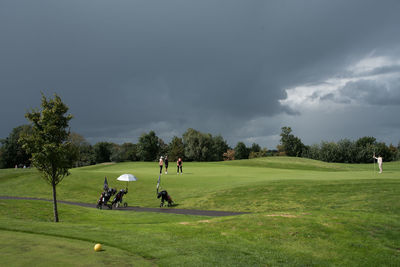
(163, 147)
(84, 150)
(262, 153)
(148, 146)
(241, 151)
(12, 152)
(124, 152)
(117, 154)
(256, 151)
(365, 141)
(312, 152)
(394, 152)
(398, 152)
(384, 151)
(281, 150)
(198, 146)
(329, 152)
(291, 144)
(219, 147)
(347, 151)
(366, 147)
(191, 141)
(52, 152)
(176, 149)
(129, 151)
(103, 151)
(255, 148)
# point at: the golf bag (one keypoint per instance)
(165, 197)
(117, 201)
(105, 197)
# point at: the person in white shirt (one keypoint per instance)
(379, 160)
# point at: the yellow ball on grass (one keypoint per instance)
(97, 247)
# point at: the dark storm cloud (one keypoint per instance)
(126, 67)
(373, 92)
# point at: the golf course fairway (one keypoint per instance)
(300, 212)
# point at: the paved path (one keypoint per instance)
(212, 213)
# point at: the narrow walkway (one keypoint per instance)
(212, 213)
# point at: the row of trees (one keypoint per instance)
(343, 151)
(197, 146)
(192, 146)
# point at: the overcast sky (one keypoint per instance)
(242, 69)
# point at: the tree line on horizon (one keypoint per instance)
(197, 146)
(192, 146)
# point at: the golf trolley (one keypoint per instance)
(118, 199)
(165, 197)
(105, 197)
(163, 194)
(109, 192)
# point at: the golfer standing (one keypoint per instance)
(166, 164)
(161, 163)
(179, 166)
(379, 160)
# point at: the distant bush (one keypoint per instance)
(262, 153)
(229, 154)
(347, 151)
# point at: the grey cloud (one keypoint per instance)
(129, 66)
(336, 98)
(328, 97)
(383, 70)
(374, 92)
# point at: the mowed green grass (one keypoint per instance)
(302, 213)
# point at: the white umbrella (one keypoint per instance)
(127, 178)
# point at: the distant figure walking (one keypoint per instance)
(161, 163)
(379, 160)
(166, 164)
(179, 166)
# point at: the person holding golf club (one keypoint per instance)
(379, 160)
(179, 166)
(166, 164)
(161, 163)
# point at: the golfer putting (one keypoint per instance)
(179, 166)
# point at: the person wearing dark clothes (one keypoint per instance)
(166, 164)
(179, 166)
(165, 197)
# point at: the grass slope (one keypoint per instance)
(303, 212)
